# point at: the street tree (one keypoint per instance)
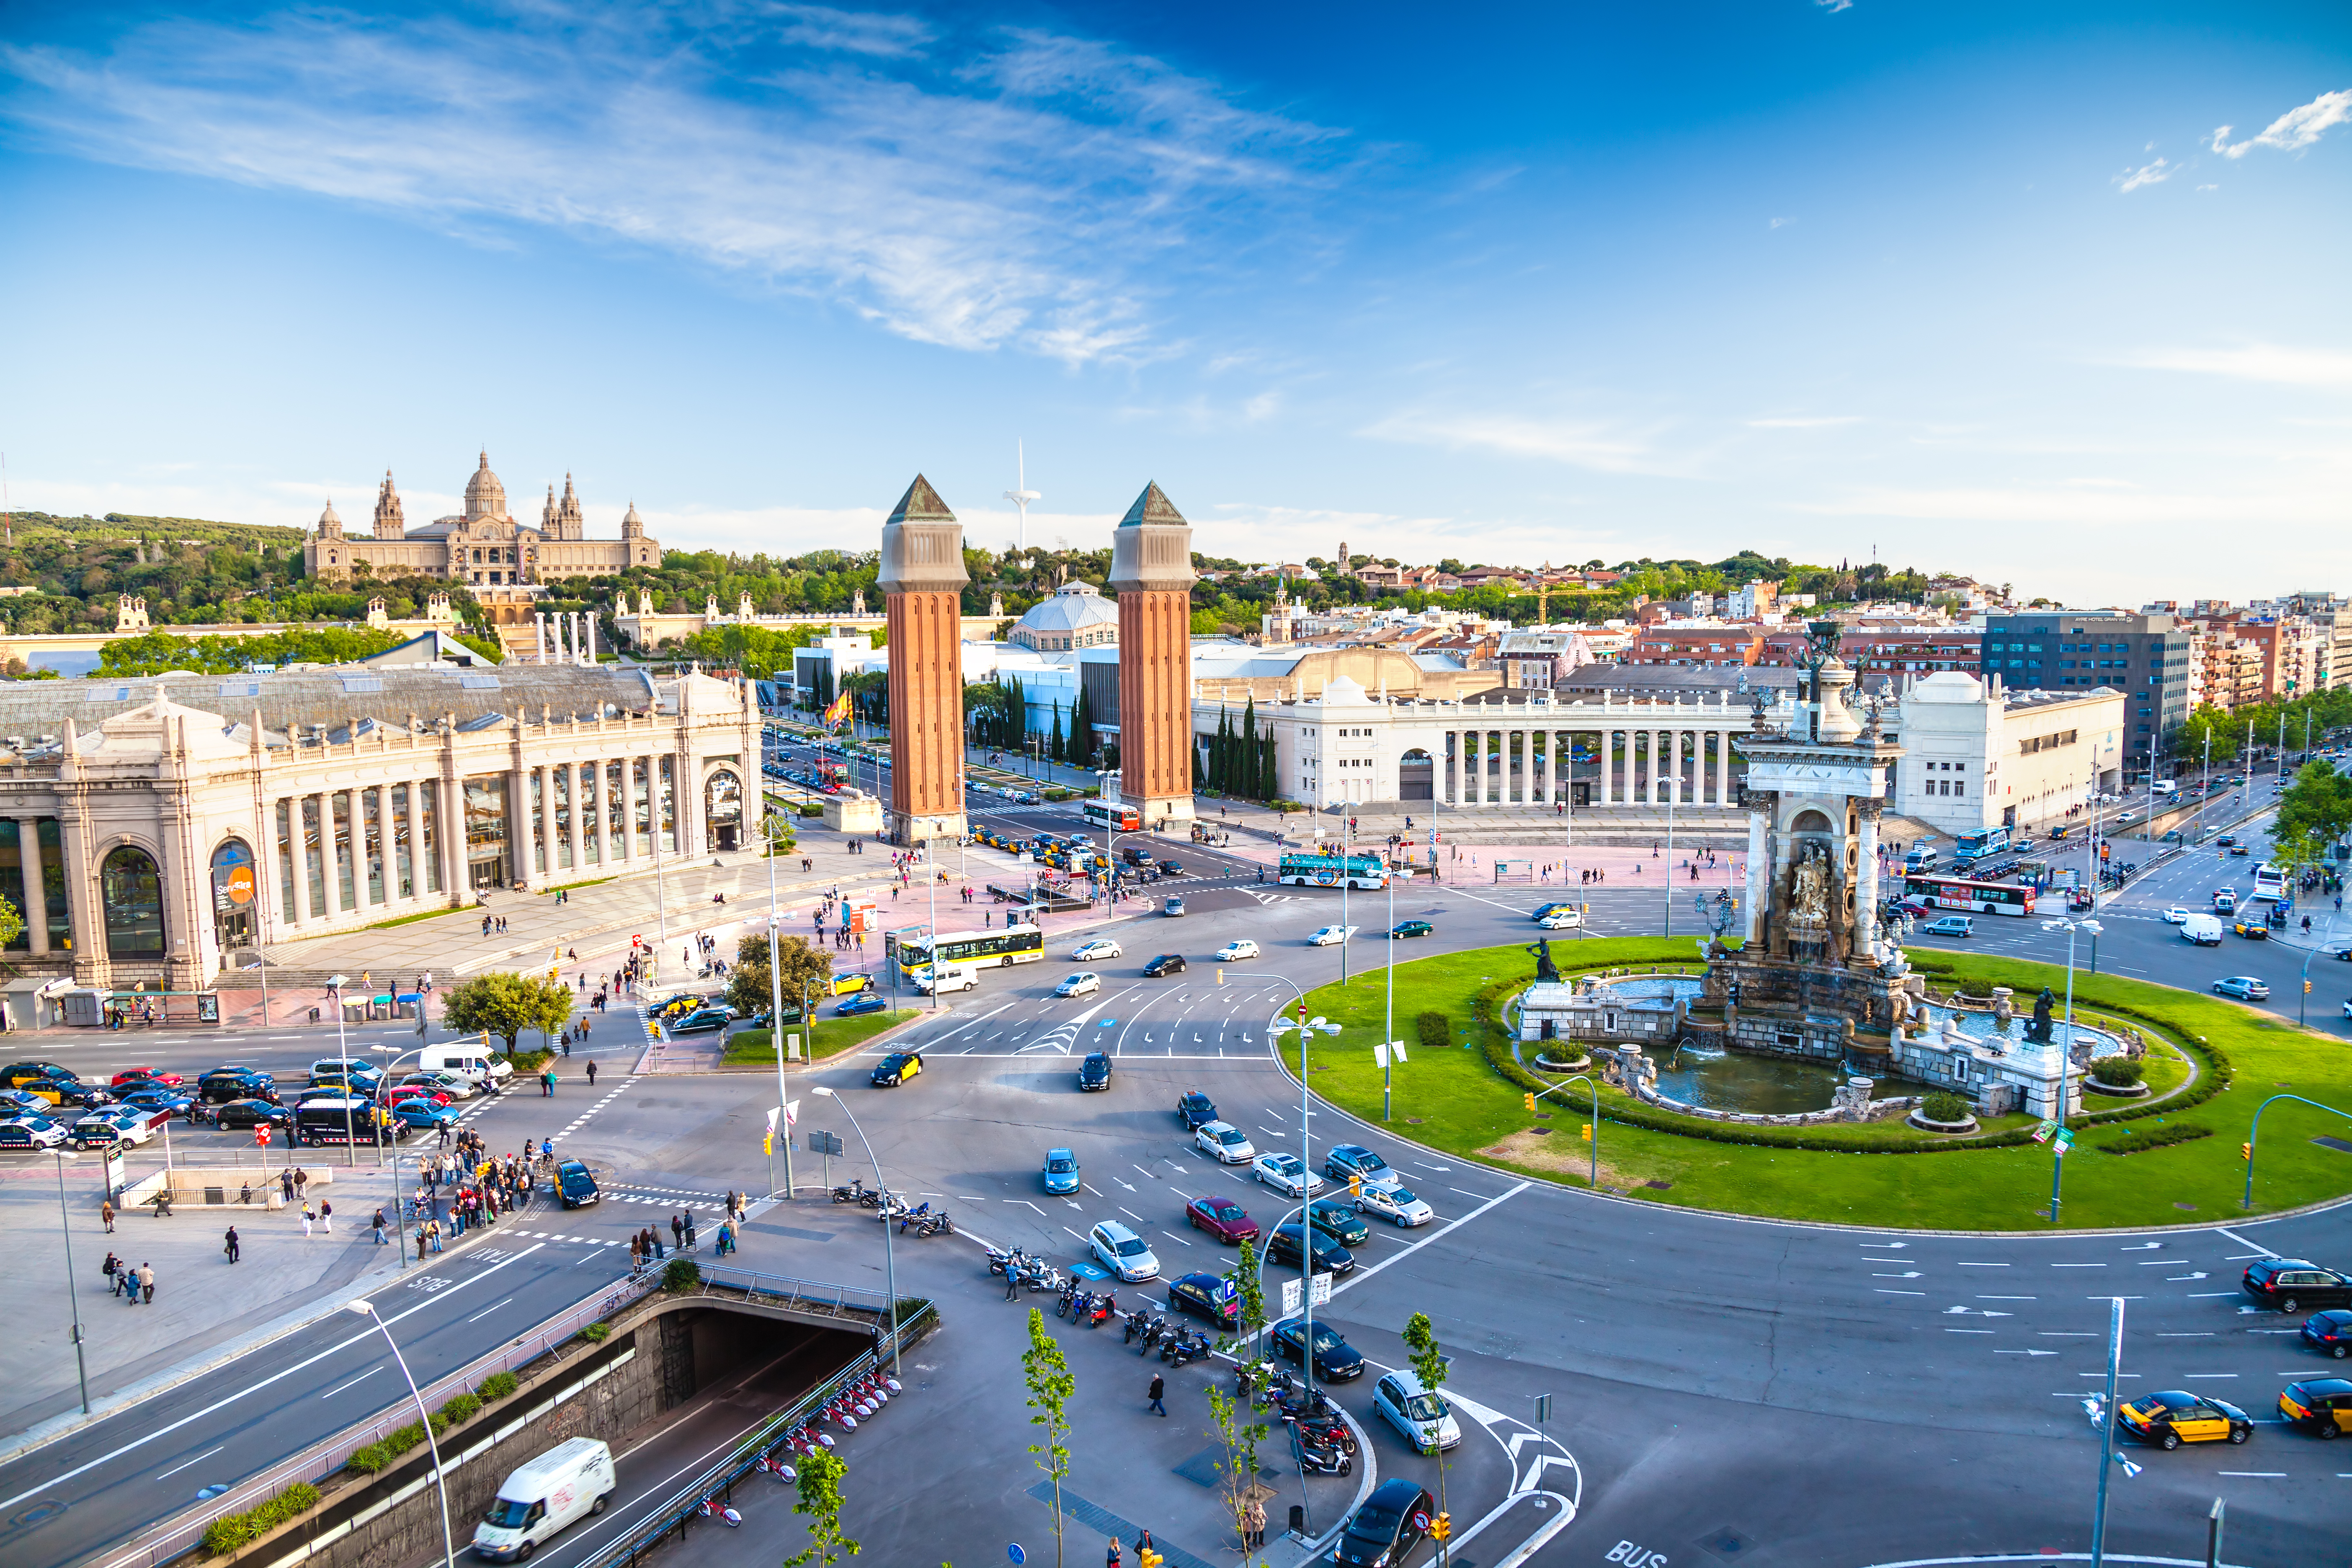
(803, 967)
(505, 1004)
(1249, 1289)
(820, 1499)
(1238, 1433)
(1429, 1365)
(2313, 815)
(11, 922)
(1050, 1385)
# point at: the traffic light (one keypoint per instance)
(1587, 1131)
(768, 1142)
(2246, 1152)
(2306, 988)
(1530, 1097)
(1442, 1527)
(1355, 1186)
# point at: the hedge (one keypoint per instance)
(460, 1408)
(683, 1274)
(1435, 1033)
(1495, 1043)
(2155, 1138)
(1944, 1106)
(595, 1333)
(2121, 1072)
(231, 1531)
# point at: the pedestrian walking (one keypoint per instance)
(147, 1284)
(112, 1269)
(307, 1217)
(301, 1181)
(1158, 1387)
(380, 1226)
(1255, 1522)
(677, 1230)
(433, 1228)
(689, 1233)
(105, 1216)
(1112, 1560)
(230, 1245)
(326, 1217)
(286, 1185)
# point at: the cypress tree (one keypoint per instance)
(1249, 780)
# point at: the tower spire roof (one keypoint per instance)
(921, 504)
(1151, 506)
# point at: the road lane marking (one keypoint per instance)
(487, 1310)
(1883, 1291)
(141, 1442)
(364, 1376)
(200, 1459)
(1363, 1274)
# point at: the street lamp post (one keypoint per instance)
(366, 1309)
(73, 1295)
(2107, 1428)
(344, 1057)
(1388, 1019)
(1673, 788)
(1305, 1027)
(1592, 1176)
(383, 1079)
(2065, 1052)
(889, 1259)
(776, 1008)
(1347, 851)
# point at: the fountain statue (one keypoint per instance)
(2038, 1031)
(1545, 970)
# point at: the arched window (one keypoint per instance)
(235, 895)
(722, 808)
(132, 892)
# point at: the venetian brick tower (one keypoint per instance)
(923, 579)
(1151, 571)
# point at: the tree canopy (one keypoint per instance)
(505, 1004)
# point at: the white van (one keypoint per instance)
(2205, 930)
(466, 1059)
(570, 1480)
(952, 977)
(2164, 787)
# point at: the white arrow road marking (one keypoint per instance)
(2143, 1247)
(2025, 1352)
(1895, 1245)
(2172, 1279)
(1906, 1274)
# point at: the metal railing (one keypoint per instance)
(807, 1295)
(181, 1534)
(680, 1508)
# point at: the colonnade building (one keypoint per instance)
(1346, 745)
(153, 830)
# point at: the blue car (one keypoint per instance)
(864, 1002)
(424, 1115)
(1061, 1170)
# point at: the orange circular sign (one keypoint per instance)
(239, 884)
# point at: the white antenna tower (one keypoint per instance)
(1023, 496)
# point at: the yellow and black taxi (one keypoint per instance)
(896, 1068)
(2320, 1404)
(2174, 1418)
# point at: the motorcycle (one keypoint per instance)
(855, 1192)
(934, 1225)
(1070, 1294)
(1334, 1434)
(874, 1197)
(1001, 1258)
(1313, 1461)
(1044, 1278)
(1180, 1348)
(1099, 1313)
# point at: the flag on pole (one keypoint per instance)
(838, 711)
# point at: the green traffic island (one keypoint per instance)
(756, 1047)
(2208, 1064)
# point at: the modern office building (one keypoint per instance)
(2144, 656)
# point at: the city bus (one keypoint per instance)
(1115, 814)
(2270, 881)
(1982, 898)
(1331, 870)
(1978, 845)
(1000, 948)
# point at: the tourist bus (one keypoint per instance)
(1978, 845)
(1332, 870)
(1000, 948)
(1115, 814)
(2270, 881)
(1982, 898)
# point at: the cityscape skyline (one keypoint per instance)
(1811, 280)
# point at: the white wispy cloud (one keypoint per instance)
(2087, 503)
(1803, 421)
(2154, 173)
(1601, 445)
(2257, 362)
(1010, 189)
(2294, 131)
(1835, 5)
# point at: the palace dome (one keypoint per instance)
(485, 496)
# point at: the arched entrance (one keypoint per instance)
(1416, 777)
(132, 892)
(233, 902)
(722, 808)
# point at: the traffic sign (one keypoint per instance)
(1318, 1291)
(1018, 1556)
(261, 1135)
(1290, 1298)
(1420, 1521)
(2041, 1133)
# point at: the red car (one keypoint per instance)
(399, 1093)
(136, 1076)
(1220, 1217)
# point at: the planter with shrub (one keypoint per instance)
(1944, 1112)
(2117, 1076)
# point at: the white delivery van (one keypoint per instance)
(466, 1059)
(2205, 930)
(952, 977)
(570, 1480)
(2165, 787)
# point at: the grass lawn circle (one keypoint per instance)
(2182, 1166)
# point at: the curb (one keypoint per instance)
(58, 1426)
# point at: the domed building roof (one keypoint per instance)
(485, 496)
(1341, 692)
(328, 518)
(1077, 615)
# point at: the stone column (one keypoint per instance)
(1151, 572)
(1723, 766)
(1650, 745)
(1865, 880)
(1479, 795)
(923, 578)
(1759, 868)
(1442, 775)
(579, 843)
(1542, 755)
(37, 891)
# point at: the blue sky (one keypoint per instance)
(1982, 288)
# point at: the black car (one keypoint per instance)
(2330, 1332)
(1195, 1110)
(1330, 1257)
(1095, 1072)
(222, 1084)
(1385, 1530)
(574, 1185)
(1337, 1219)
(1336, 1361)
(1206, 1295)
(169, 1101)
(1171, 868)
(1403, 930)
(1166, 963)
(2289, 1285)
(254, 1113)
(701, 1021)
(896, 1068)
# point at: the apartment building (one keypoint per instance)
(2143, 655)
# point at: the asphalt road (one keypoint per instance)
(1722, 1389)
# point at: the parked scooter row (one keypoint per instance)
(923, 1220)
(858, 1192)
